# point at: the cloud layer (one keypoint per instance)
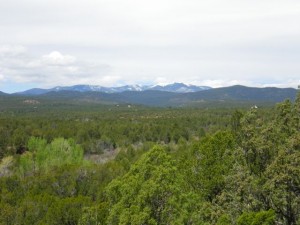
(17, 65)
(115, 42)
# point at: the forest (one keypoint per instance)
(126, 164)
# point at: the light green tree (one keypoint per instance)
(152, 192)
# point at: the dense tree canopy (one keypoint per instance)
(151, 166)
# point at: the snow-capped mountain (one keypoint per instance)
(176, 87)
(180, 88)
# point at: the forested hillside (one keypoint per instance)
(136, 165)
(208, 97)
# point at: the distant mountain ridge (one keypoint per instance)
(179, 88)
(243, 93)
(224, 97)
(216, 96)
(176, 87)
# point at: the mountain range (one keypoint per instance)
(177, 95)
(176, 87)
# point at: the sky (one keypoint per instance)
(47, 43)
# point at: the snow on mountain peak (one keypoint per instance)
(175, 87)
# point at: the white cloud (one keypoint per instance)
(216, 42)
(110, 80)
(11, 50)
(162, 81)
(152, 23)
(50, 69)
(226, 83)
(284, 84)
(57, 68)
(55, 58)
(221, 83)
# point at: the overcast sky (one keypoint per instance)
(44, 43)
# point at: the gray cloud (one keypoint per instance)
(113, 42)
(55, 68)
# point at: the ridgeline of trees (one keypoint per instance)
(168, 166)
